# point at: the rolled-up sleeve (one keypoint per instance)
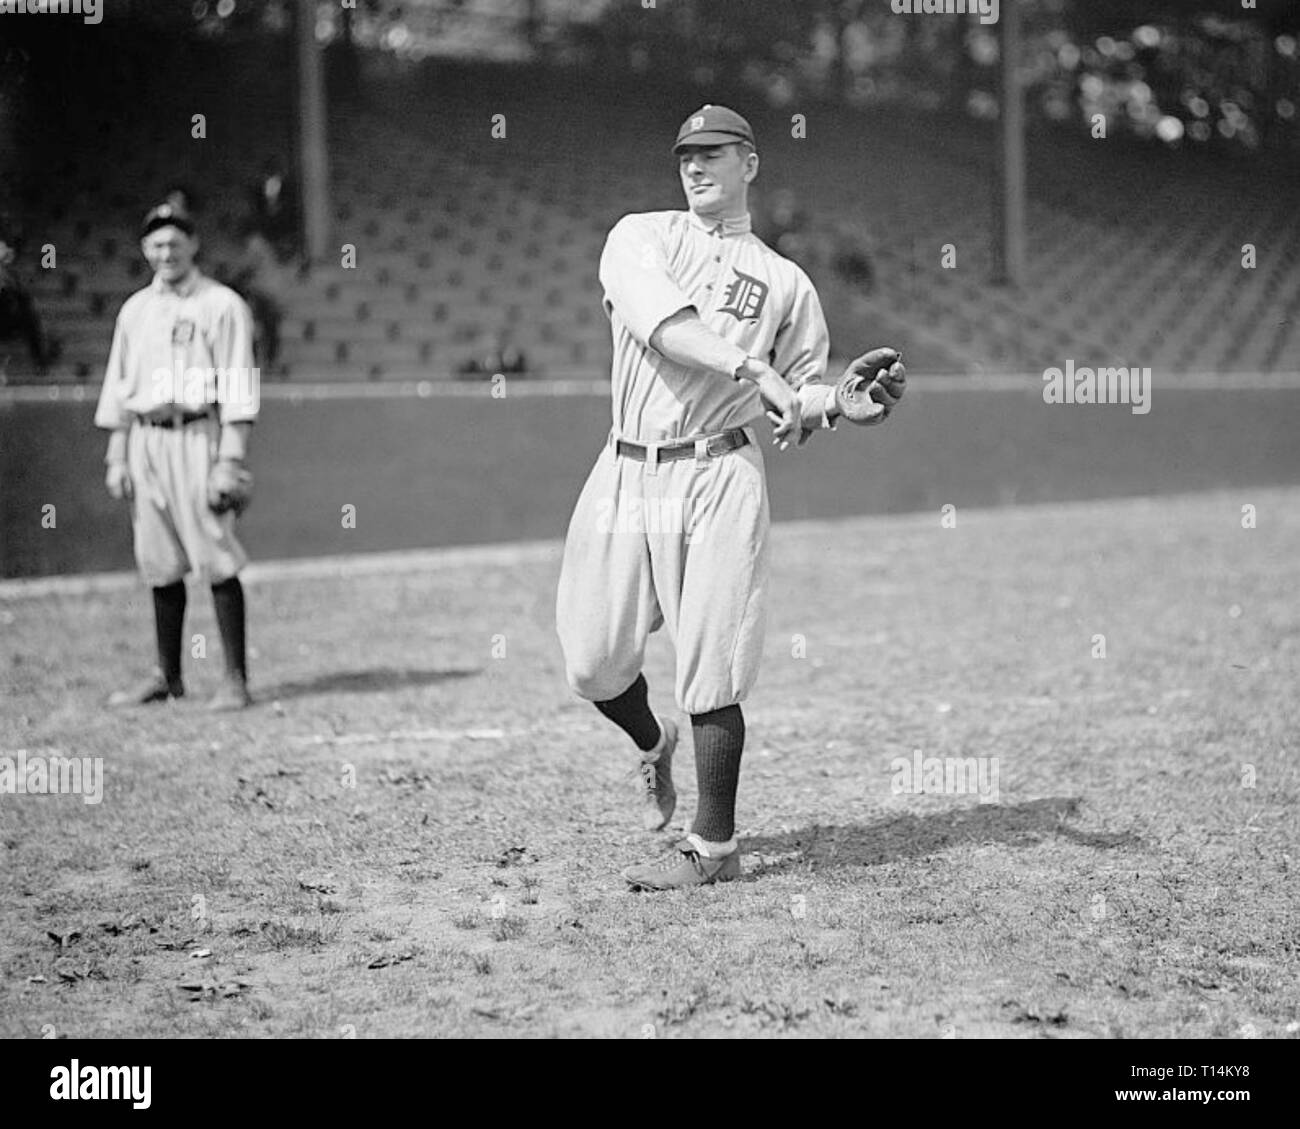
(634, 274)
(109, 413)
(240, 382)
(803, 344)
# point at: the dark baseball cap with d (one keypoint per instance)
(167, 215)
(713, 125)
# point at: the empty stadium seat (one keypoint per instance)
(455, 239)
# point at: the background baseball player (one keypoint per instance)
(710, 327)
(180, 397)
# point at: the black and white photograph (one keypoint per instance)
(651, 520)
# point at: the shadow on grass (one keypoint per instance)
(911, 836)
(364, 682)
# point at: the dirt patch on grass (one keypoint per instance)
(417, 831)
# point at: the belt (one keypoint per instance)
(667, 452)
(176, 419)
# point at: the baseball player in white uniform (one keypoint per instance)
(179, 398)
(711, 331)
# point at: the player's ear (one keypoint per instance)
(751, 166)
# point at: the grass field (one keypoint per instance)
(417, 831)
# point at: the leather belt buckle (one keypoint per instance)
(728, 441)
(700, 449)
(175, 419)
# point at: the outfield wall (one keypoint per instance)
(455, 466)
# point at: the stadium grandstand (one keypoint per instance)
(1136, 242)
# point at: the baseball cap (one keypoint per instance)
(713, 125)
(167, 215)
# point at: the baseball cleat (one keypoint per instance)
(658, 796)
(155, 688)
(685, 866)
(233, 695)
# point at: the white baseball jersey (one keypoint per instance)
(161, 336)
(189, 348)
(657, 263)
(682, 544)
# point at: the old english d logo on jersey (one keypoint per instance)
(183, 332)
(745, 297)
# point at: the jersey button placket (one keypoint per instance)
(715, 286)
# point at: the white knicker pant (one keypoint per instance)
(683, 543)
(175, 531)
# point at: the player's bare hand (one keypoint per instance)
(783, 408)
(804, 433)
(118, 481)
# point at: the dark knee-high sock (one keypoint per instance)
(719, 741)
(228, 602)
(169, 626)
(630, 711)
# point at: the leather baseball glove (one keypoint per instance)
(871, 386)
(230, 487)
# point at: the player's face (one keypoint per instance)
(716, 178)
(170, 252)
